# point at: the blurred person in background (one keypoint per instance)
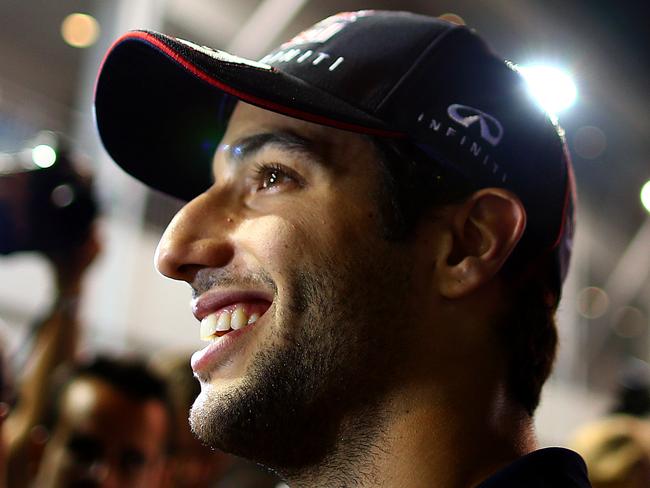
(616, 450)
(632, 395)
(50, 211)
(379, 222)
(107, 425)
(617, 447)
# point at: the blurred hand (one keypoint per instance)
(70, 264)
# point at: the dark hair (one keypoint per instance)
(129, 376)
(413, 184)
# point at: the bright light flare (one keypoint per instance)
(80, 30)
(553, 88)
(645, 195)
(593, 302)
(43, 156)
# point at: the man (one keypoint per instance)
(110, 427)
(376, 247)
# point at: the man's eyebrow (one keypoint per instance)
(248, 146)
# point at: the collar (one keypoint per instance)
(553, 467)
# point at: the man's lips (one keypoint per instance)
(212, 301)
(218, 352)
(227, 318)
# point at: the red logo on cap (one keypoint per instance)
(326, 29)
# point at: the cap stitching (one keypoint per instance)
(434, 42)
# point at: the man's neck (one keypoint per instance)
(424, 442)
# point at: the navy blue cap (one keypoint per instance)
(162, 105)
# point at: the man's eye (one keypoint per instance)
(270, 176)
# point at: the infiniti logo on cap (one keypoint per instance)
(491, 128)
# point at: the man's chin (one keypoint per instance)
(208, 413)
(256, 417)
(222, 417)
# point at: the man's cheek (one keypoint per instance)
(276, 242)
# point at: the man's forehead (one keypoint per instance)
(248, 120)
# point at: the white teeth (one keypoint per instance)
(224, 321)
(208, 327)
(238, 319)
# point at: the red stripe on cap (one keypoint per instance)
(247, 97)
(569, 193)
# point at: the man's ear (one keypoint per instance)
(485, 229)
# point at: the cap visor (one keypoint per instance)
(162, 106)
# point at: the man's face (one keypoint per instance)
(105, 439)
(291, 231)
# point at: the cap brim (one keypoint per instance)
(162, 106)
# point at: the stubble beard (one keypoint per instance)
(324, 373)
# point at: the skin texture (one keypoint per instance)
(105, 439)
(365, 341)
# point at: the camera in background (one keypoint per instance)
(46, 203)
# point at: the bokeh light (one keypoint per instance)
(645, 195)
(62, 195)
(80, 30)
(593, 302)
(629, 322)
(453, 18)
(553, 88)
(589, 142)
(43, 156)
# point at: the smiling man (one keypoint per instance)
(379, 221)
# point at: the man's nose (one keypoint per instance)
(196, 238)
